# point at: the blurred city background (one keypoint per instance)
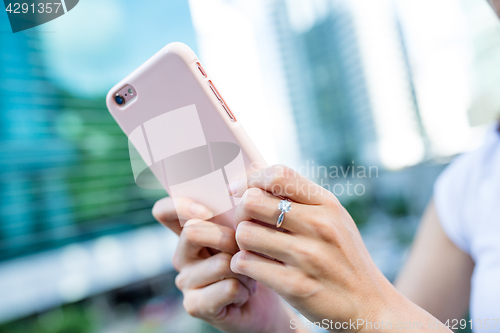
(401, 86)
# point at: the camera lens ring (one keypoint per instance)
(119, 99)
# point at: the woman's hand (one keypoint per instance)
(321, 266)
(212, 292)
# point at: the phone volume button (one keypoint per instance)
(221, 101)
(214, 90)
(229, 113)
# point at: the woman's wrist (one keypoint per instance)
(287, 321)
(399, 313)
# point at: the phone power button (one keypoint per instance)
(201, 70)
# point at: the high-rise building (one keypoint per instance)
(34, 198)
(440, 47)
(349, 83)
(484, 34)
(73, 223)
(327, 84)
(389, 80)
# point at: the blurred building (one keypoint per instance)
(65, 168)
(441, 47)
(326, 83)
(350, 82)
(484, 31)
(73, 223)
(58, 189)
(35, 205)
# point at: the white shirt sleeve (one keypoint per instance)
(450, 196)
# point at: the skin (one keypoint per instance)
(212, 292)
(321, 265)
(437, 273)
(495, 4)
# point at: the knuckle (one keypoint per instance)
(180, 281)
(176, 261)
(281, 169)
(318, 223)
(158, 210)
(243, 234)
(231, 288)
(299, 286)
(182, 206)
(191, 306)
(227, 239)
(331, 234)
(310, 258)
(325, 228)
(221, 264)
(334, 205)
(278, 180)
(305, 253)
(287, 171)
(252, 200)
(191, 233)
(322, 223)
(282, 176)
(332, 199)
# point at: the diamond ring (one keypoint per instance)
(284, 206)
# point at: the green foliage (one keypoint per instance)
(75, 318)
(360, 209)
(396, 206)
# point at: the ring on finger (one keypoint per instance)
(284, 206)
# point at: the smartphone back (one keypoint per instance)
(183, 130)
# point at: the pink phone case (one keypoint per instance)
(184, 131)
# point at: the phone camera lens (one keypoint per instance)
(119, 100)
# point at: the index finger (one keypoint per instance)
(198, 234)
(168, 212)
(284, 182)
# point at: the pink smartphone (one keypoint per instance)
(183, 131)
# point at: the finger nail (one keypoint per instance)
(200, 211)
(241, 296)
(254, 288)
(233, 188)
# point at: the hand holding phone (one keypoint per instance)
(212, 292)
(183, 129)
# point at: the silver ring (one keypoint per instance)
(284, 206)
